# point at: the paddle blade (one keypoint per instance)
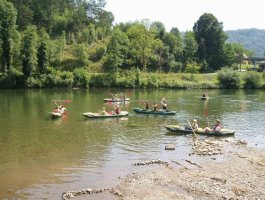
(64, 101)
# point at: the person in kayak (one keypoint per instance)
(204, 94)
(147, 105)
(194, 125)
(103, 111)
(155, 106)
(117, 110)
(63, 109)
(216, 128)
(164, 104)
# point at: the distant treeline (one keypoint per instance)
(49, 43)
(252, 39)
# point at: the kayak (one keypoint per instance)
(57, 113)
(183, 130)
(204, 98)
(97, 115)
(116, 100)
(159, 112)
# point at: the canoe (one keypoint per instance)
(148, 111)
(57, 113)
(183, 130)
(116, 100)
(97, 115)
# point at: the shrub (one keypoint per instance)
(228, 78)
(12, 79)
(252, 80)
(192, 68)
(81, 78)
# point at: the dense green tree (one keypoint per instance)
(190, 48)
(142, 40)
(159, 29)
(29, 51)
(210, 37)
(42, 55)
(7, 28)
(117, 52)
(173, 49)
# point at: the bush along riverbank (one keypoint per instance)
(80, 78)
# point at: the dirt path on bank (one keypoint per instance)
(240, 175)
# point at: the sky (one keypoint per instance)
(234, 14)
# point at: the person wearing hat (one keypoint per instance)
(216, 128)
(194, 124)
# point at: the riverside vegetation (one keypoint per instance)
(74, 44)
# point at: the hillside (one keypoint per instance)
(252, 39)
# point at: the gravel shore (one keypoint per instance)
(240, 174)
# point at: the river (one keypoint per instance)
(40, 158)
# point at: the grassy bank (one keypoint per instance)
(80, 78)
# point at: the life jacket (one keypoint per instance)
(214, 128)
(117, 111)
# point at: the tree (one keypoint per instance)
(210, 37)
(190, 48)
(42, 58)
(159, 28)
(117, 50)
(239, 52)
(29, 51)
(142, 40)
(7, 28)
(173, 48)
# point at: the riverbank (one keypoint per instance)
(131, 79)
(230, 171)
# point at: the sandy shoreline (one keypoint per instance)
(239, 175)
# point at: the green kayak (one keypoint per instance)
(183, 130)
(159, 112)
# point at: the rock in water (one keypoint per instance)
(170, 147)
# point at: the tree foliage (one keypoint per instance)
(210, 37)
(7, 28)
(29, 51)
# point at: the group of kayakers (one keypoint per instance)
(120, 96)
(155, 105)
(60, 108)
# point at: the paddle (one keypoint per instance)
(191, 128)
(206, 111)
(64, 101)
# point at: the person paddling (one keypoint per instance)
(164, 104)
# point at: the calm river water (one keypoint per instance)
(41, 158)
